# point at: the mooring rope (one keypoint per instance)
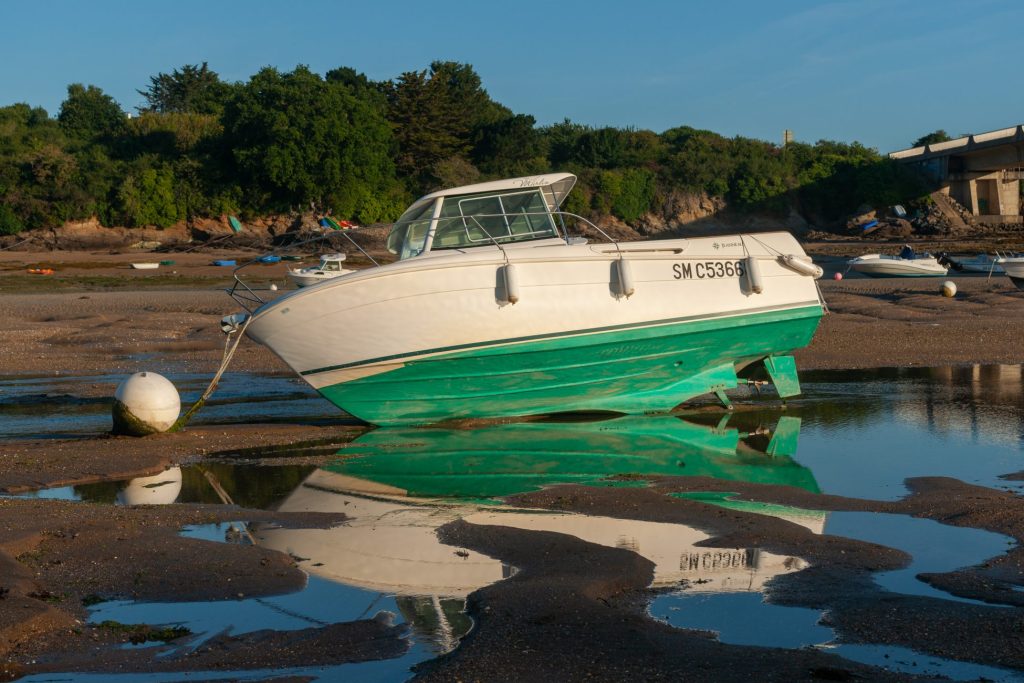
(229, 351)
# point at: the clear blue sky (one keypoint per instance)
(882, 72)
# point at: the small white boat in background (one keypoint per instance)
(328, 268)
(145, 266)
(982, 263)
(907, 264)
(1013, 266)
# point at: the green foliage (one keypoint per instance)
(560, 140)
(89, 114)
(509, 147)
(363, 149)
(601, 148)
(148, 198)
(438, 115)
(625, 193)
(931, 138)
(297, 139)
(172, 133)
(454, 172)
(10, 224)
(190, 90)
(636, 193)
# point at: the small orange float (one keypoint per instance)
(40, 271)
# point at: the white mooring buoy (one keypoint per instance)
(145, 403)
(949, 289)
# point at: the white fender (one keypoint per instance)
(625, 274)
(754, 279)
(508, 272)
(802, 265)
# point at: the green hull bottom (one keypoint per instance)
(638, 370)
(499, 460)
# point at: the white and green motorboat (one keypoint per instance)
(494, 308)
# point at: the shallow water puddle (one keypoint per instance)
(860, 434)
(934, 547)
(745, 619)
(741, 618)
(69, 406)
(385, 671)
(434, 625)
(866, 431)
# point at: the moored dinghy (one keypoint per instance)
(907, 264)
(330, 267)
(494, 309)
(980, 263)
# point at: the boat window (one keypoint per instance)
(476, 220)
(409, 233)
(330, 265)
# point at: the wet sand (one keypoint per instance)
(574, 610)
(128, 321)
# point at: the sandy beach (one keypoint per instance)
(98, 321)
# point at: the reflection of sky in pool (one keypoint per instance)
(861, 433)
(864, 431)
(746, 619)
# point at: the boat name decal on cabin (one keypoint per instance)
(531, 182)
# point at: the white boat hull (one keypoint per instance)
(1014, 269)
(437, 336)
(876, 265)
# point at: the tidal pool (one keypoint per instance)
(858, 434)
(34, 407)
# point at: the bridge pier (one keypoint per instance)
(982, 172)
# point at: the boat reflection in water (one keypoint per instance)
(399, 485)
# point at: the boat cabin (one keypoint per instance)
(486, 214)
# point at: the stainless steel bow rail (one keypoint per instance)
(248, 299)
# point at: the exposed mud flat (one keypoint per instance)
(872, 323)
(573, 610)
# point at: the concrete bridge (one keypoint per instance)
(982, 172)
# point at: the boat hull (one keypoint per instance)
(1014, 269)
(897, 268)
(636, 370)
(308, 279)
(429, 339)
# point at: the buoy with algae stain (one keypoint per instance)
(145, 403)
(949, 288)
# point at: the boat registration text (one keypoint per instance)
(707, 269)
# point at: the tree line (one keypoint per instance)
(363, 149)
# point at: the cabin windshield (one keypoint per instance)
(477, 220)
(408, 235)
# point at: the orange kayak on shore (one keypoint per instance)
(40, 271)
